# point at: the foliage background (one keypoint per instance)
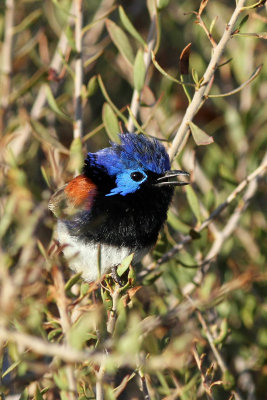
(167, 338)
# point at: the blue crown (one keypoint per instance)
(136, 153)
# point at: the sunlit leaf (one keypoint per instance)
(53, 104)
(129, 26)
(193, 202)
(124, 265)
(110, 122)
(76, 155)
(200, 137)
(120, 40)
(92, 86)
(139, 71)
(28, 20)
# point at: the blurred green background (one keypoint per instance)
(162, 338)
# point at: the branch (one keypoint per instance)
(21, 138)
(202, 92)
(40, 346)
(77, 125)
(187, 239)
(7, 59)
(151, 40)
(62, 305)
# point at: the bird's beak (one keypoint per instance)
(165, 180)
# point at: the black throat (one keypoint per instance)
(133, 220)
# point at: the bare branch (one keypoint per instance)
(77, 126)
(187, 239)
(151, 41)
(6, 59)
(202, 92)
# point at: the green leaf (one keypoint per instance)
(72, 281)
(38, 395)
(176, 223)
(200, 137)
(129, 26)
(80, 331)
(76, 155)
(84, 288)
(120, 40)
(29, 20)
(107, 300)
(11, 368)
(193, 202)
(53, 104)
(242, 22)
(54, 333)
(70, 36)
(139, 71)
(93, 58)
(135, 122)
(162, 4)
(195, 76)
(213, 23)
(124, 265)
(61, 380)
(110, 122)
(45, 176)
(108, 99)
(43, 135)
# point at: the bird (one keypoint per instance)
(116, 206)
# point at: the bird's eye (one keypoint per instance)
(137, 176)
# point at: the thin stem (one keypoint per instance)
(151, 41)
(6, 69)
(200, 94)
(110, 329)
(66, 325)
(77, 131)
(261, 170)
(203, 378)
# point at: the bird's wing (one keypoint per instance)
(75, 196)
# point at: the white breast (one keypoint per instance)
(89, 258)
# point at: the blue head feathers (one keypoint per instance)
(130, 161)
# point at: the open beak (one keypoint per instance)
(167, 180)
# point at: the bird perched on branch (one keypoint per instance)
(116, 207)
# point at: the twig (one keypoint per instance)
(77, 125)
(65, 323)
(187, 239)
(216, 353)
(6, 60)
(18, 143)
(115, 295)
(222, 237)
(144, 386)
(203, 377)
(113, 313)
(241, 87)
(40, 346)
(99, 382)
(151, 40)
(201, 93)
(204, 27)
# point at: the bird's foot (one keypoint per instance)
(115, 276)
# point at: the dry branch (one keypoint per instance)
(260, 171)
(6, 60)
(77, 125)
(200, 94)
(151, 40)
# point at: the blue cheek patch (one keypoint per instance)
(125, 184)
